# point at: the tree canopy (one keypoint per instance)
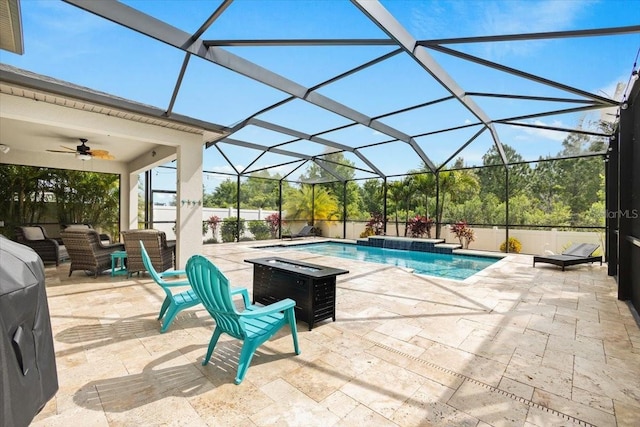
(563, 190)
(34, 195)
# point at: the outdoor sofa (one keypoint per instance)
(35, 236)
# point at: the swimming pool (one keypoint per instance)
(457, 267)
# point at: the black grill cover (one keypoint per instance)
(28, 377)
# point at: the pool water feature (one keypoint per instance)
(450, 266)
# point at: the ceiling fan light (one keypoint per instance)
(82, 156)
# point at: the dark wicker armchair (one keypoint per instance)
(36, 238)
(155, 242)
(87, 252)
(105, 238)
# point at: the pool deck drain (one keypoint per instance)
(490, 388)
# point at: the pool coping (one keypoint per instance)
(459, 252)
(467, 252)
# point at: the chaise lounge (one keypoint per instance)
(580, 253)
(306, 231)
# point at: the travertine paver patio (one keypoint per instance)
(512, 345)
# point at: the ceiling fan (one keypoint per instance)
(84, 152)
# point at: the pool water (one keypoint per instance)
(457, 267)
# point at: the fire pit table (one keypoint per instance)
(313, 287)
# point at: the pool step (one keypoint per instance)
(450, 246)
(409, 244)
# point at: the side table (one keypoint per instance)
(121, 269)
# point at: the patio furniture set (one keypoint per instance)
(284, 289)
(94, 253)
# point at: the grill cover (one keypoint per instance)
(28, 377)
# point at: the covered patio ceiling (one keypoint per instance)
(392, 86)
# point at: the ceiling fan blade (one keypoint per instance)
(60, 151)
(69, 148)
(102, 154)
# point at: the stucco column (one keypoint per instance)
(189, 201)
(128, 201)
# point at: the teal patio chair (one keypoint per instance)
(254, 325)
(173, 303)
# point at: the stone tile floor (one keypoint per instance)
(510, 346)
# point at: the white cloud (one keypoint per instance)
(436, 19)
(615, 89)
(532, 16)
(516, 17)
(471, 157)
(542, 133)
(428, 23)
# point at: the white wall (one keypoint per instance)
(488, 239)
(168, 213)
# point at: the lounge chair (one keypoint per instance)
(306, 231)
(254, 325)
(580, 253)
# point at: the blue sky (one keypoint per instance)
(66, 43)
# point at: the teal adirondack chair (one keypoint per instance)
(173, 303)
(254, 325)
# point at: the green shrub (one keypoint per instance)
(514, 246)
(229, 229)
(259, 229)
(367, 232)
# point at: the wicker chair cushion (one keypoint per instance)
(104, 238)
(77, 227)
(33, 233)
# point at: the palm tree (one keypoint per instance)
(425, 183)
(310, 204)
(395, 192)
(455, 186)
(408, 191)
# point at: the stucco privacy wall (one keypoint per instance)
(164, 217)
(488, 239)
